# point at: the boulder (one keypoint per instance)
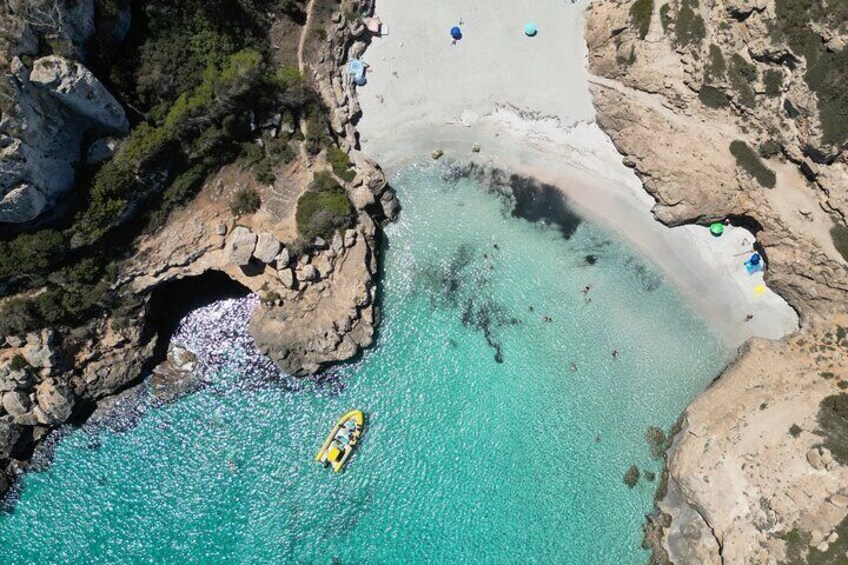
(307, 273)
(815, 459)
(39, 351)
(15, 380)
(55, 400)
(75, 87)
(337, 244)
(221, 229)
(101, 149)
(361, 197)
(16, 403)
(286, 277)
(283, 258)
(14, 341)
(839, 500)
(349, 238)
(323, 265)
(10, 433)
(391, 205)
(267, 247)
(241, 245)
(22, 204)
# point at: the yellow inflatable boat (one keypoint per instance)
(340, 443)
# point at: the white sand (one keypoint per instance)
(526, 102)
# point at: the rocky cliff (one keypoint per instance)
(51, 108)
(722, 111)
(318, 296)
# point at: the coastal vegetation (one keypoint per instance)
(665, 18)
(245, 201)
(833, 421)
(768, 149)
(773, 80)
(640, 15)
(742, 74)
(323, 209)
(196, 77)
(716, 67)
(827, 69)
(839, 235)
(689, 27)
(712, 97)
(750, 162)
(340, 163)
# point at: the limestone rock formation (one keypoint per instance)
(747, 472)
(331, 315)
(241, 245)
(56, 104)
(75, 87)
(267, 247)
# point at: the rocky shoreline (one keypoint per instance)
(317, 305)
(751, 473)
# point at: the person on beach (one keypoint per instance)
(749, 317)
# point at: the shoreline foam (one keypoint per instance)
(544, 129)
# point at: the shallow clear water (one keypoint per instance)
(465, 459)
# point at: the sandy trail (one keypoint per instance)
(526, 102)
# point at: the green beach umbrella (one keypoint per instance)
(717, 228)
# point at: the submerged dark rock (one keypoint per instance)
(541, 202)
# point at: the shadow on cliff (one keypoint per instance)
(171, 301)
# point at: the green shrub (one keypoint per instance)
(665, 18)
(833, 421)
(316, 135)
(18, 362)
(795, 430)
(827, 71)
(245, 201)
(31, 253)
(742, 74)
(751, 164)
(769, 148)
(323, 209)
(773, 80)
(340, 162)
(712, 97)
(17, 317)
(689, 28)
(839, 235)
(716, 67)
(640, 16)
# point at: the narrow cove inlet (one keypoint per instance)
(499, 422)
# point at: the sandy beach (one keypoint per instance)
(526, 103)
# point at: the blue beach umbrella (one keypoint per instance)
(456, 33)
(530, 29)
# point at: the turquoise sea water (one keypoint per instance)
(465, 459)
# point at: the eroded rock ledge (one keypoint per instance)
(751, 475)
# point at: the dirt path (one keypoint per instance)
(304, 34)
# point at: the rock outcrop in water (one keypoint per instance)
(673, 90)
